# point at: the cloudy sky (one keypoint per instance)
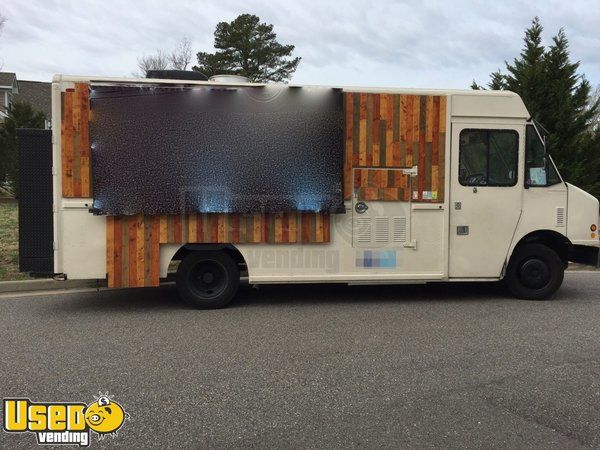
(435, 43)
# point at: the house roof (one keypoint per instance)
(8, 78)
(36, 93)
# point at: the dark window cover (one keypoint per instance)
(172, 150)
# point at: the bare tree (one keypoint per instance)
(181, 57)
(158, 61)
(178, 59)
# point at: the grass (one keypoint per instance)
(9, 242)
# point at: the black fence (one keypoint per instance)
(35, 201)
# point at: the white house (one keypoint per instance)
(36, 93)
(9, 87)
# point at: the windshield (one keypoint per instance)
(540, 171)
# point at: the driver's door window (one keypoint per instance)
(488, 157)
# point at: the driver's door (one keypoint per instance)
(485, 197)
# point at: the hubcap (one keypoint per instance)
(208, 279)
(534, 273)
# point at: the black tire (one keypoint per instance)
(207, 280)
(535, 272)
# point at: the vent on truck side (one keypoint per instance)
(399, 229)
(363, 229)
(382, 229)
(560, 216)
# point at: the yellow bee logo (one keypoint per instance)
(105, 416)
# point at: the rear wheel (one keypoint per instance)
(207, 280)
(535, 272)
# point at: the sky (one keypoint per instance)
(435, 43)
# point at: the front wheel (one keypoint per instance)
(535, 272)
(207, 280)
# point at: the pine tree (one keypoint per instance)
(588, 163)
(526, 75)
(249, 48)
(565, 111)
(475, 86)
(20, 115)
(497, 81)
(558, 97)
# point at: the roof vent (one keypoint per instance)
(229, 79)
(177, 75)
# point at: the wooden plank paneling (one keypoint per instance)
(164, 232)
(406, 130)
(147, 249)
(133, 242)
(132, 263)
(392, 131)
(84, 158)
(348, 105)
(117, 252)
(363, 130)
(125, 242)
(140, 243)
(369, 130)
(76, 125)
(382, 131)
(67, 144)
(375, 127)
(75, 141)
(355, 99)
(381, 185)
(442, 149)
(155, 252)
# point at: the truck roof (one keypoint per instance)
(465, 102)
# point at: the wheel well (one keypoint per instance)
(232, 251)
(556, 241)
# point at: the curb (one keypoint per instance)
(48, 284)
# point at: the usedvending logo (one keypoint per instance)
(68, 423)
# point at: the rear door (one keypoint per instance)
(485, 197)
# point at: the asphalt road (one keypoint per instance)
(318, 366)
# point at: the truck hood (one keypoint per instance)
(582, 213)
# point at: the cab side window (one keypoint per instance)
(488, 157)
(539, 171)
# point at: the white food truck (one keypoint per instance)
(434, 186)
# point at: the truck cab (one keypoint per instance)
(511, 214)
